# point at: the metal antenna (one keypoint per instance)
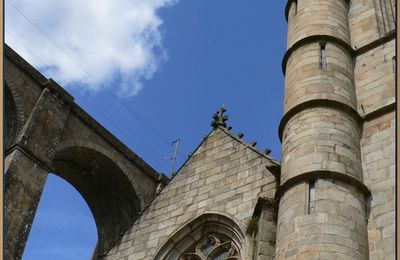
(176, 142)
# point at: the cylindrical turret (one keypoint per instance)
(322, 208)
(310, 17)
(319, 70)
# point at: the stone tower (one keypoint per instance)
(326, 203)
(331, 197)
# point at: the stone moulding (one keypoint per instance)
(194, 230)
(380, 111)
(331, 39)
(273, 163)
(57, 91)
(317, 103)
(55, 135)
(320, 175)
(289, 3)
(311, 39)
(29, 154)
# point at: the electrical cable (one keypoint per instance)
(160, 161)
(81, 66)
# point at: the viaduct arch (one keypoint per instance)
(47, 132)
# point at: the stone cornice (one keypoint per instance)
(59, 92)
(331, 39)
(380, 112)
(317, 103)
(24, 150)
(251, 147)
(376, 43)
(24, 65)
(319, 175)
(334, 104)
(289, 3)
(312, 39)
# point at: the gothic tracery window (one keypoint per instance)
(212, 247)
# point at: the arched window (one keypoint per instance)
(212, 247)
(211, 236)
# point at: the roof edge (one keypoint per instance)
(87, 119)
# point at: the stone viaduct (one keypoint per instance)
(46, 132)
(331, 197)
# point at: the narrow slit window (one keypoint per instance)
(292, 10)
(294, 6)
(311, 197)
(322, 56)
(394, 64)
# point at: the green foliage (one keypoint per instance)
(252, 227)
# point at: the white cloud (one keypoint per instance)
(118, 39)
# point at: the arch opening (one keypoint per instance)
(64, 227)
(105, 188)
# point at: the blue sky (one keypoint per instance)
(189, 58)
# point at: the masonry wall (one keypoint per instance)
(223, 176)
(48, 132)
(338, 123)
(320, 135)
(369, 20)
(374, 79)
(336, 229)
(266, 233)
(78, 133)
(301, 26)
(378, 151)
(321, 139)
(26, 192)
(25, 100)
(305, 81)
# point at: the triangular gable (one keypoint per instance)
(224, 175)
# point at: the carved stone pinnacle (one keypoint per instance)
(219, 118)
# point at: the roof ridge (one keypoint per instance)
(249, 145)
(274, 167)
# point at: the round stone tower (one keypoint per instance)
(322, 207)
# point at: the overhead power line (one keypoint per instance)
(61, 48)
(157, 159)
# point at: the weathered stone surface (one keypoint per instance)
(369, 20)
(338, 123)
(308, 136)
(50, 133)
(374, 77)
(335, 193)
(305, 80)
(309, 17)
(230, 184)
(378, 150)
(24, 182)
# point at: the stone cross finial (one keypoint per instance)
(219, 118)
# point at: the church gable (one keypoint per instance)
(224, 176)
